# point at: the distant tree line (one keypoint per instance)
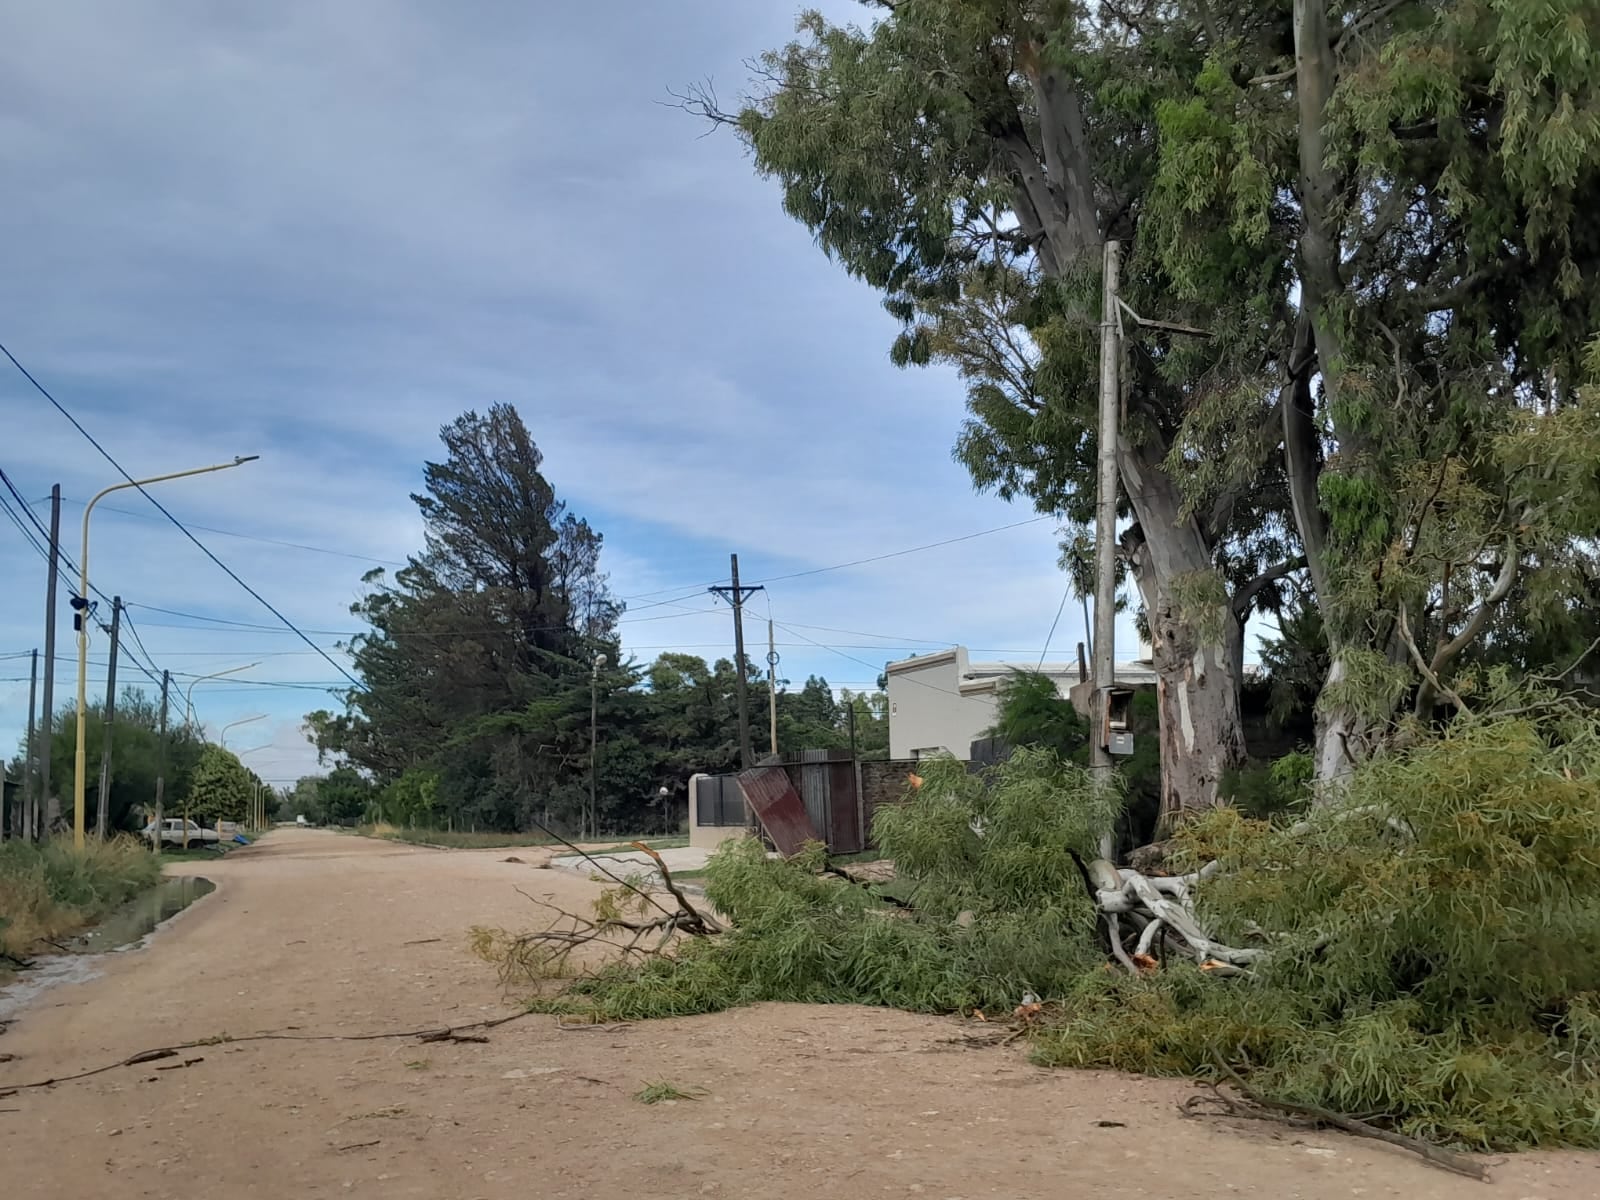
(481, 656)
(207, 782)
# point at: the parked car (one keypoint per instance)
(172, 832)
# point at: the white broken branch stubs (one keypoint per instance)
(1162, 907)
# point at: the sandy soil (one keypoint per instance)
(318, 933)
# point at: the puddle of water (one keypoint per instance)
(129, 924)
(125, 928)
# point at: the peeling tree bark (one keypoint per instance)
(1197, 678)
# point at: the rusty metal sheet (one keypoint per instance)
(778, 807)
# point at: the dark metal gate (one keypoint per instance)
(718, 801)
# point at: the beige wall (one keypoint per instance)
(929, 710)
(707, 837)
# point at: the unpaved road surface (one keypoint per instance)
(308, 932)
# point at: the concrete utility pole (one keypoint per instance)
(1105, 532)
(102, 813)
(161, 757)
(772, 688)
(41, 798)
(735, 595)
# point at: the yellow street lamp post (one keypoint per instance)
(82, 617)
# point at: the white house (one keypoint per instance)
(943, 702)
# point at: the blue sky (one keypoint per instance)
(316, 232)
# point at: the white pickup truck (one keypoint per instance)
(172, 832)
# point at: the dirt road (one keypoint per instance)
(315, 932)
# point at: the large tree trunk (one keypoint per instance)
(1199, 660)
(1197, 644)
(1202, 732)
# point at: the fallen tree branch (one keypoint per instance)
(698, 921)
(1446, 1160)
(441, 1034)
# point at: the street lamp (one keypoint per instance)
(188, 693)
(222, 738)
(81, 619)
(258, 816)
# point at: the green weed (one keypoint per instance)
(655, 1093)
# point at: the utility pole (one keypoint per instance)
(41, 798)
(161, 757)
(1105, 534)
(19, 815)
(102, 813)
(772, 687)
(594, 744)
(735, 596)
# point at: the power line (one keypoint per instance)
(228, 625)
(1061, 608)
(229, 571)
(966, 537)
(863, 662)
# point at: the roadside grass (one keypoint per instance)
(52, 891)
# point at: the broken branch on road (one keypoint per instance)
(452, 1033)
(1249, 1104)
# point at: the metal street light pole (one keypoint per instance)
(81, 619)
(188, 692)
(222, 738)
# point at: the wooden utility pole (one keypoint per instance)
(772, 688)
(161, 757)
(102, 813)
(1105, 534)
(41, 798)
(735, 596)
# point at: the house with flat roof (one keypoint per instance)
(942, 703)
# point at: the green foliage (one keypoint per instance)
(1265, 790)
(1436, 965)
(1410, 273)
(222, 788)
(52, 891)
(1030, 711)
(135, 758)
